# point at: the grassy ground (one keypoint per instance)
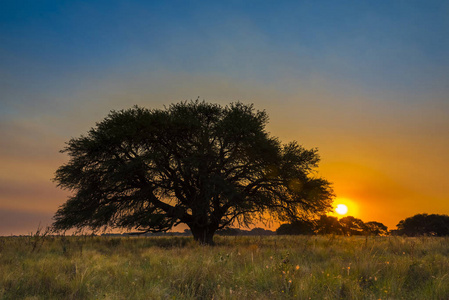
(322, 267)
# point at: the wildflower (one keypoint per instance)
(297, 267)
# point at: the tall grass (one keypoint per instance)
(279, 267)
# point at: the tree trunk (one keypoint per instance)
(203, 235)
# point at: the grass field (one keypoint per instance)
(279, 267)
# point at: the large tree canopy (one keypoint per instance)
(202, 164)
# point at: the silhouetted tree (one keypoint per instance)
(328, 225)
(424, 224)
(296, 228)
(352, 226)
(331, 225)
(375, 228)
(201, 164)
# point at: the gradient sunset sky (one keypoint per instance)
(366, 82)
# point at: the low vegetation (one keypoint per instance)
(274, 267)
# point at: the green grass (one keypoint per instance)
(317, 267)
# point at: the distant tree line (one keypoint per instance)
(424, 224)
(230, 231)
(417, 225)
(331, 225)
(236, 231)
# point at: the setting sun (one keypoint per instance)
(344, 206)
(341, 209)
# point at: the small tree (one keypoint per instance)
(201, 164)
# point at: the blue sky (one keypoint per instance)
(383, 44)
(367, 82)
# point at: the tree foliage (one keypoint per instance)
(332, 225)
(300, 227)
(424, 224)
(328, 225)
(352, 226)
(202, 164)
(376, 228)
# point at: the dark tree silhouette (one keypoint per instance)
(352, 226)
(424, 224)
(205, 165)
(331, 225)
(375, 228)
(328, 225)
(301, 227)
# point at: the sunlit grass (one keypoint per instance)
(279, 267)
